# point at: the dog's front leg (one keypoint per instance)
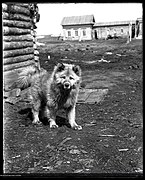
(51, 115)
(35, 111)
(71, 118)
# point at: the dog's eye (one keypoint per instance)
(71, 78)
(63, 77)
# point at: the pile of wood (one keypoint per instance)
(18, 40)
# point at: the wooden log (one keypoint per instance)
(14, 72)
(27, 37)
(17, 59)
(18, 65)
(17, 52)
(13, 8)
(18, 24)
(23, 4)
(16, 45)
(16, 16)
(10, 73)
(15, 31)
(9, 78)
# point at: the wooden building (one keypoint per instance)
(85, 28)
(78, 27)
(117, 28)
(19, 39)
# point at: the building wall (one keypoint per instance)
(19, 42)
(93, 32)
(140, 30)
(75, 32)
(102, 32)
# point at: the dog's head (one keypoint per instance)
(67, 75)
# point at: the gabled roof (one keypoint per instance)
(77, 20)
(102, 24)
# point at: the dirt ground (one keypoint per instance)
(111, 140)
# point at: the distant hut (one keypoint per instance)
(19, 39)
(78, 27)
(116, 28)
(85, 28)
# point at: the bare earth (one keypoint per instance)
(111, 140)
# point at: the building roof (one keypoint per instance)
(114, 23)
(77, 20)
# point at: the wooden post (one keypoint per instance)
(135, 30)
(80, 34)
(128, 37)
(129, 33)
(108, 33)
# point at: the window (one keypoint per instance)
(108, 31)
(76, 33)
(84, 33)
(114, 31)
(69, 33)
(121, 30)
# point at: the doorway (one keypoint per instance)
(95, 33)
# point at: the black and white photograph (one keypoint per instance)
(72, 89)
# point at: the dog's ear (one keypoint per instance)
(77, 70)
(60, 67)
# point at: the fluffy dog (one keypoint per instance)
(49, 93)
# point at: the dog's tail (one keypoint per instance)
(25, 78)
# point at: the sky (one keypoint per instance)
(51, 14)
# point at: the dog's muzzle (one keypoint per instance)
(67, 85)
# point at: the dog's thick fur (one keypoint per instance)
(49, 93)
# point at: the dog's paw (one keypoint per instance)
(77, 127)
(36, 122)
(53, 125)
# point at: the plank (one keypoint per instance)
(96, 96)
(17, 52)
(17, 59)
(15, 23)
(14, 8)
(11, 38)
(17, 45)
(83, 95)
(15, 31)
(18, 65)
(16, 16)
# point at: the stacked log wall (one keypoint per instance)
(18, 40)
